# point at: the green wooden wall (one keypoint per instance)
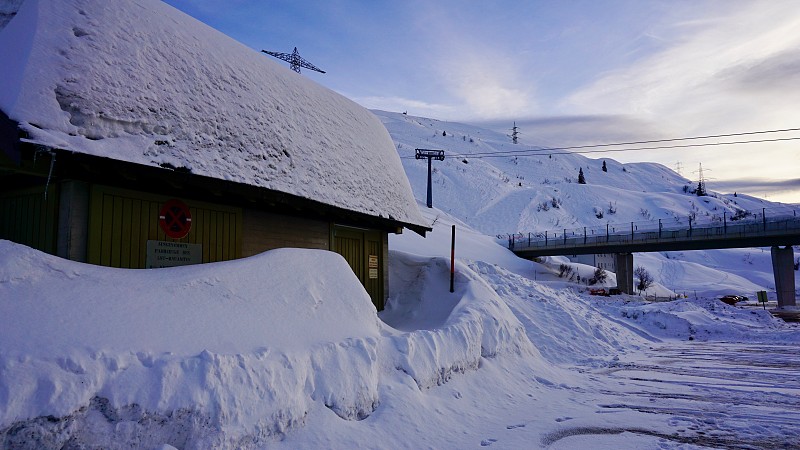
(363, 250)
(121, 222)
(27, 218)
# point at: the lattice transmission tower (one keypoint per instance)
(515, 133)
(295, 60)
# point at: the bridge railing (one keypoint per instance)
(728, 224)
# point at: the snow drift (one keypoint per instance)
(228, 354)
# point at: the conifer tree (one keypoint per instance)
(605, 169)
(581, 179)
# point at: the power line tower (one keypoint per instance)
(295, 60)
(430, 154)
(678, 167)
(701, 184)
(514, 133)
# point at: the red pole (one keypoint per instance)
(452, 258)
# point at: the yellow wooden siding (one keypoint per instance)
(265, 230)
(121, 222)
(356, 246)
(27, 218)
(374, 285)
(352, 250)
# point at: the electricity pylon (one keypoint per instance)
(295, 60)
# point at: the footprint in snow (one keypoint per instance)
(488, 442)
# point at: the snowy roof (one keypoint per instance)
(144, 83)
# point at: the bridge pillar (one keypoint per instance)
(783, 269)
(624, 267)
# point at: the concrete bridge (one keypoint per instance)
(778, 228)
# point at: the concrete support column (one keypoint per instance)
(73, 221)
(783, 269)
(624, 267)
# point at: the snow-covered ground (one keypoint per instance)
(261, 353)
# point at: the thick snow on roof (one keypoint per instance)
(142, 82)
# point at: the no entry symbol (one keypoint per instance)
(175, 219)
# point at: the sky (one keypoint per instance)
(567, 73)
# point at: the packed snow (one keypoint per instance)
(144, 83)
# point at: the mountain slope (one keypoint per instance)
(504, 194)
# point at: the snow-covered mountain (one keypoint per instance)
(485, 183)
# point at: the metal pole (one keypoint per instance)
(430, 190)
(452, 258)
(606, 232)
(725, 221)
(659, 228)
(764, 218)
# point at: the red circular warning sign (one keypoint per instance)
(175, 219)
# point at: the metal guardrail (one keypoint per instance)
(739, 225)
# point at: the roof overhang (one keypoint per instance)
(180, 182)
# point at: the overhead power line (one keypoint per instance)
(593, 148)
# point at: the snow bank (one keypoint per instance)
(218, 352)
(226, 355)
(447, 332)
(704, 319)
(143, 82)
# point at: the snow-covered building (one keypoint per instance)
(603, 261)
(134, 136)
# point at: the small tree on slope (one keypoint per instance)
(643, 277)
(581, 179)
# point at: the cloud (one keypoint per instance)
(777, 74)
(400, 104)
(775, 190)
(563, 131)
(473, 68)
(487, 87)
(758, 184)
(713, 75)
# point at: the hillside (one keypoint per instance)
(502, 195)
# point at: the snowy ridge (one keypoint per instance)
(144, 83)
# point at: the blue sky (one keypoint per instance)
(568, 72)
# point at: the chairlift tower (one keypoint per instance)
(431, 155)
(295, 60)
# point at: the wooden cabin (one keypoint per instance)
(225, 158)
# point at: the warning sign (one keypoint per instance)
(171, 254)
(175, 219)
(373, 261)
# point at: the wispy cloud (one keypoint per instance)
(720, 74)
(400, 104)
